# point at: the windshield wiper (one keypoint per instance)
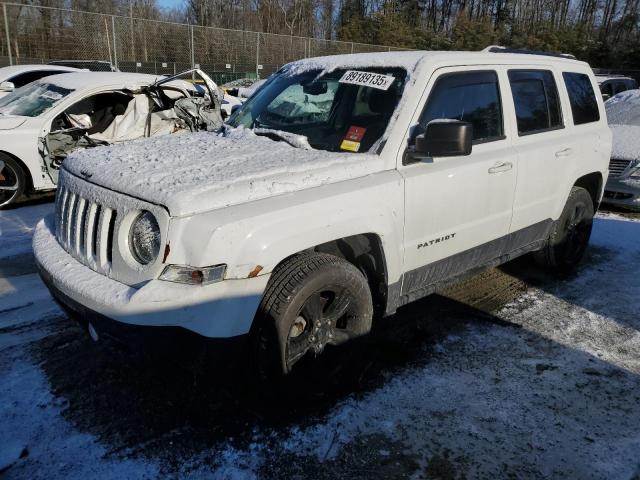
(293, 139)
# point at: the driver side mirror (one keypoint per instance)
(7, 87)
(443, 138)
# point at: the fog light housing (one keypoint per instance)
(193, 275)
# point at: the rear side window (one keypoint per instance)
(535, 98)
(582, 98)
(472, 97)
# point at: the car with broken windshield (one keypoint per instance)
(343, 189)
(42, 122)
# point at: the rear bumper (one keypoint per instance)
(221, 310)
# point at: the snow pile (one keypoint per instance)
(204, 171)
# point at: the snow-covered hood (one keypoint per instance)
(626, 142)
(202, 171)
(10, 122)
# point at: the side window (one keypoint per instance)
(472, 97)
(582, 98)
(535, 98)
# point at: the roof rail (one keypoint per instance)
(500, 49)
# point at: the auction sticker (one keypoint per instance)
(367, 79)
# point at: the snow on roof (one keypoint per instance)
(7, 72)
(411, 59)
(83, 79)
(203, 171)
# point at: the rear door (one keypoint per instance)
(544, 149)
(458, 209)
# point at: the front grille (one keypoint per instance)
(85, 229)
(617, 167)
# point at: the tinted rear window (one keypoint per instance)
(535, 97)
(582, 97)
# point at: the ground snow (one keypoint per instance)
(556, 398)
(17, 226)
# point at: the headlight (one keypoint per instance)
(193, 275)
(635, 173)
(144, 238)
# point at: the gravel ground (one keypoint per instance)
(510, 374)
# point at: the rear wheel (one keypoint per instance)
(12, 180)
(569, 235)
(313, 301)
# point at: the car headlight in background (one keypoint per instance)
(144, 238)
(193, 275)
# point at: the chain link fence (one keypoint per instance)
(34, 34)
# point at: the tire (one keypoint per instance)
(569, 235)
(12, 181)
(312, 301)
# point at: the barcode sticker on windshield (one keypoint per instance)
(367, 79)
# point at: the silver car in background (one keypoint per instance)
(623, 186)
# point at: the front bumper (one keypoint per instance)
(622, 192)
(221, 310)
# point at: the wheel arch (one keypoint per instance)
(366, 252)
(592, 183)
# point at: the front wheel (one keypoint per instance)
(569, 235)
(12, 180)
(313, 301)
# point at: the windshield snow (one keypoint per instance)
(32, 99)
(342, 110)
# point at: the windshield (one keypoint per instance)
(32, 99)
(624, 108)
(343, 110)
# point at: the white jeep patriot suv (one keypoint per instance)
(346, 187)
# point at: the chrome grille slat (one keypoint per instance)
(78, 240)
(617, 167)
(102, 239)
(89, 229)
(71, 203)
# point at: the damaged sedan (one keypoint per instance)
(44, 121)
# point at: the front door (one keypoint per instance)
(458, 209)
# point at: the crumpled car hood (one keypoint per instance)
(626, 142)
(10, 122)
(195, 172)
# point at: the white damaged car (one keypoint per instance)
(44, 121)
(346, 187)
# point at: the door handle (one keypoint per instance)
(565, 152)
(501, 167)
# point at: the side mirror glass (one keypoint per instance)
(7, 87)
(443, 138)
